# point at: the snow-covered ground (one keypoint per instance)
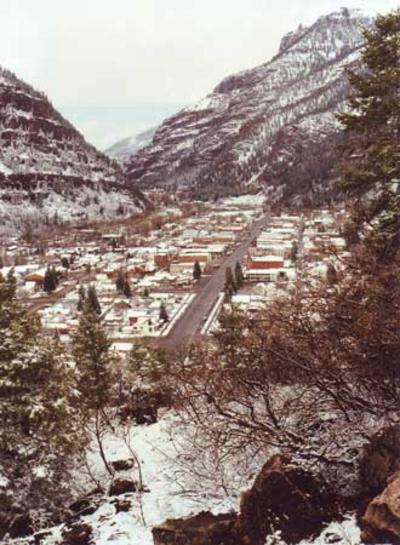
(257, 199)
(85, 204)
(178, 486)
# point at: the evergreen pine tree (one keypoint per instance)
(239, 278)
(294, 251)
(40, 425)
(94, 361)
(120, 281)
(49, 282)
(82, 297)
(91, 351)
(147, 364)
(196, 271)
(146, 292)
(372, 127)
(230, 286)
(163, 313)
(127, 291)
(93, 300)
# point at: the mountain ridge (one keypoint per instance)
(48, 171)
(224, 141)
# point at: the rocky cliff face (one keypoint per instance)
(243, 134)
(47, 171)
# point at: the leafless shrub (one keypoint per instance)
(312, 376)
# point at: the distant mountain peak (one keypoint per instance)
(229, 138)
(128, 146)
(292, 37)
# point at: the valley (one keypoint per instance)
(199, 325)
(135, 275)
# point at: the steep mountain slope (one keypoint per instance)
(123, 149)
(231, 138)
(48, 172)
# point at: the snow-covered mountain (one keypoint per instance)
(123, 149)
(48, 172)
(243, 134)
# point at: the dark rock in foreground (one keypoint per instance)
(77, 534)
(123, 465)
(123, 486)
(381, 521)
(283, 498)
(204, 528)
(380, 459)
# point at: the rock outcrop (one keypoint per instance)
(204, 528)
(79, 533)
(284, 498)
(123, 486)
(123, 465)
(381, 521)
(380, 459)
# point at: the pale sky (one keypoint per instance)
(117, 67)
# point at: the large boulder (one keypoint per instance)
(202, 529)
(380, 459)
(79, 505)
(79, 533)
(381, 521)
(123, 486)
(123, 465)
(284, 498)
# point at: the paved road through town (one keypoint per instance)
(190, 323)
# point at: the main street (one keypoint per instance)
(191, 321)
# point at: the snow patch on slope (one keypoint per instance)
(4, 169)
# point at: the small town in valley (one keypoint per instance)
(166, 278)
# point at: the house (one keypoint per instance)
(36, 276)
(264, 262)
(270, 275)
(227, 237)
(181, 268)
(282, 248)
(162, 260)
